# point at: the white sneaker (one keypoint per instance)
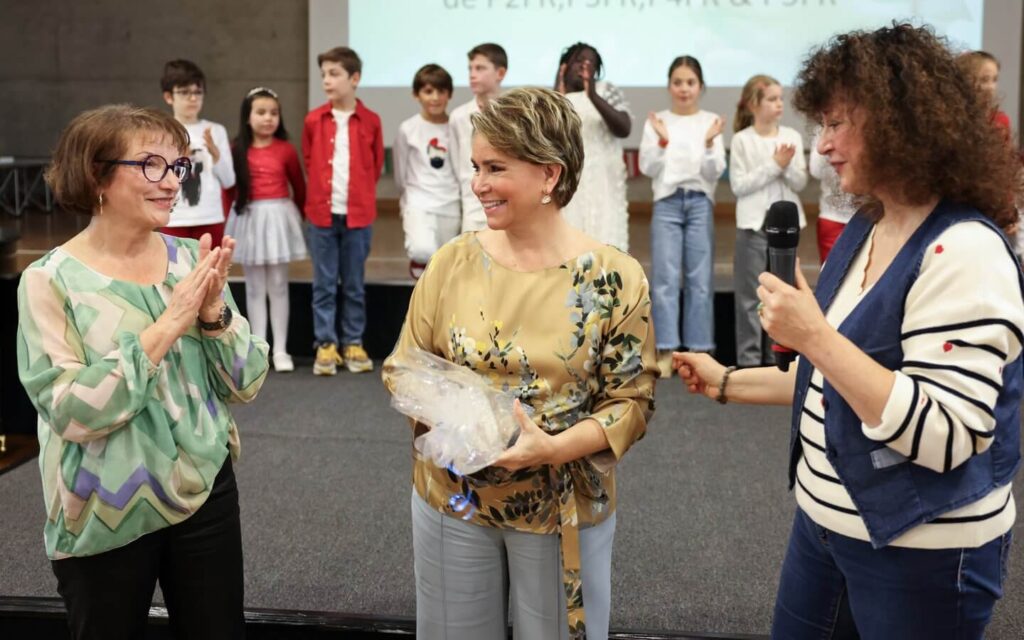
(283, 363)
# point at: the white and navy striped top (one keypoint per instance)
(944, 395)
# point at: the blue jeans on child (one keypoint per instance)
(835, 587)
(683, 247)
(339, 251)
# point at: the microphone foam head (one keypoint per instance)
(782, 225)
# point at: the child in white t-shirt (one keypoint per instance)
(200, 207)
(430, 204)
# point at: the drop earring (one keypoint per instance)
(101, 204)
(546, 199)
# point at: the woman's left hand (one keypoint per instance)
(211, 307)
(533, 447)
(790, 315)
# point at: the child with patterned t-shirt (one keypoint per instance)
(431, 214)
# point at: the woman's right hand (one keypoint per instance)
(189, 294)
(699, 372)
(658, 125)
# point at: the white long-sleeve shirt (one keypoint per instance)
(833, 204)
(758, 181)
(954, 348)
(686, 163)
(460, 132)
(200, 200)
(423, 167)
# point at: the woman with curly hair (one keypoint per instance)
(905, 434)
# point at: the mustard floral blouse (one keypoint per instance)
(574, 342)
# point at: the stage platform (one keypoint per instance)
(325, 486)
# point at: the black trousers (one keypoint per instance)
(198, 563)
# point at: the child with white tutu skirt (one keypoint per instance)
(265, 219)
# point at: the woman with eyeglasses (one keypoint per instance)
(130, 347)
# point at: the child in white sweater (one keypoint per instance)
(767, 165)
(682, 152)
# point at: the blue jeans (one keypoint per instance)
(837, 587)
(339, 251)
(683, 247)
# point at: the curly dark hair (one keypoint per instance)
(927, 131)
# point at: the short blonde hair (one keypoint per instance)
(79, 168)
(538, 126)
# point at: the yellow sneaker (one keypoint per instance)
(356, 359)
(665, 363)
(327, 360)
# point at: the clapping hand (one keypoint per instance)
(190, 293)
(784, 154)
(220, 267)
(211, 146)
(714, 131)
(658, 125)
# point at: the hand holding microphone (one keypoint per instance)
(789, 312)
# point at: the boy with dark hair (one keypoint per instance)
(199, 209)
(343, 150)
(423, 170)
(488, 64)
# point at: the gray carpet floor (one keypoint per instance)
(325, 482)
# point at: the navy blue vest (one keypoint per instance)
(897, 497)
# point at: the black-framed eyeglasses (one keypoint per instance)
(155, 167)
(189, 93)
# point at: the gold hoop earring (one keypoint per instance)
(546, 199)
(101, 204)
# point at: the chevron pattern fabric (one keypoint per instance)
(127, 446)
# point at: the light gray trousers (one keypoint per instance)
(750, 261)
(468, 577)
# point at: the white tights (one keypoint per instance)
(262, 282)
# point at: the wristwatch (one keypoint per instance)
(220, 323)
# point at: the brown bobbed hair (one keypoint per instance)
(77, 170)
(927, 132)
(539, 126)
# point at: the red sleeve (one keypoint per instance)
(1003, 120)
(294, 173)
(378, 150)
(307, 142)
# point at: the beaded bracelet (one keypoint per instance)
(721, 388)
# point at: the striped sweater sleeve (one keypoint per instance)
(962, 324)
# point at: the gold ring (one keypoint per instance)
(760, 309)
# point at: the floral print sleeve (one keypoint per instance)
(626, 373)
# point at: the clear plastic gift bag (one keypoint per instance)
(471, 423)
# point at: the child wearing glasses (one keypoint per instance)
(199, 208)
(265, 221)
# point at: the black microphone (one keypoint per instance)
(782, 226)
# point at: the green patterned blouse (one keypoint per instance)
(127, 446)
(573, 342)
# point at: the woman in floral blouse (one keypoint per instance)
(562, 322)
(130, 348)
